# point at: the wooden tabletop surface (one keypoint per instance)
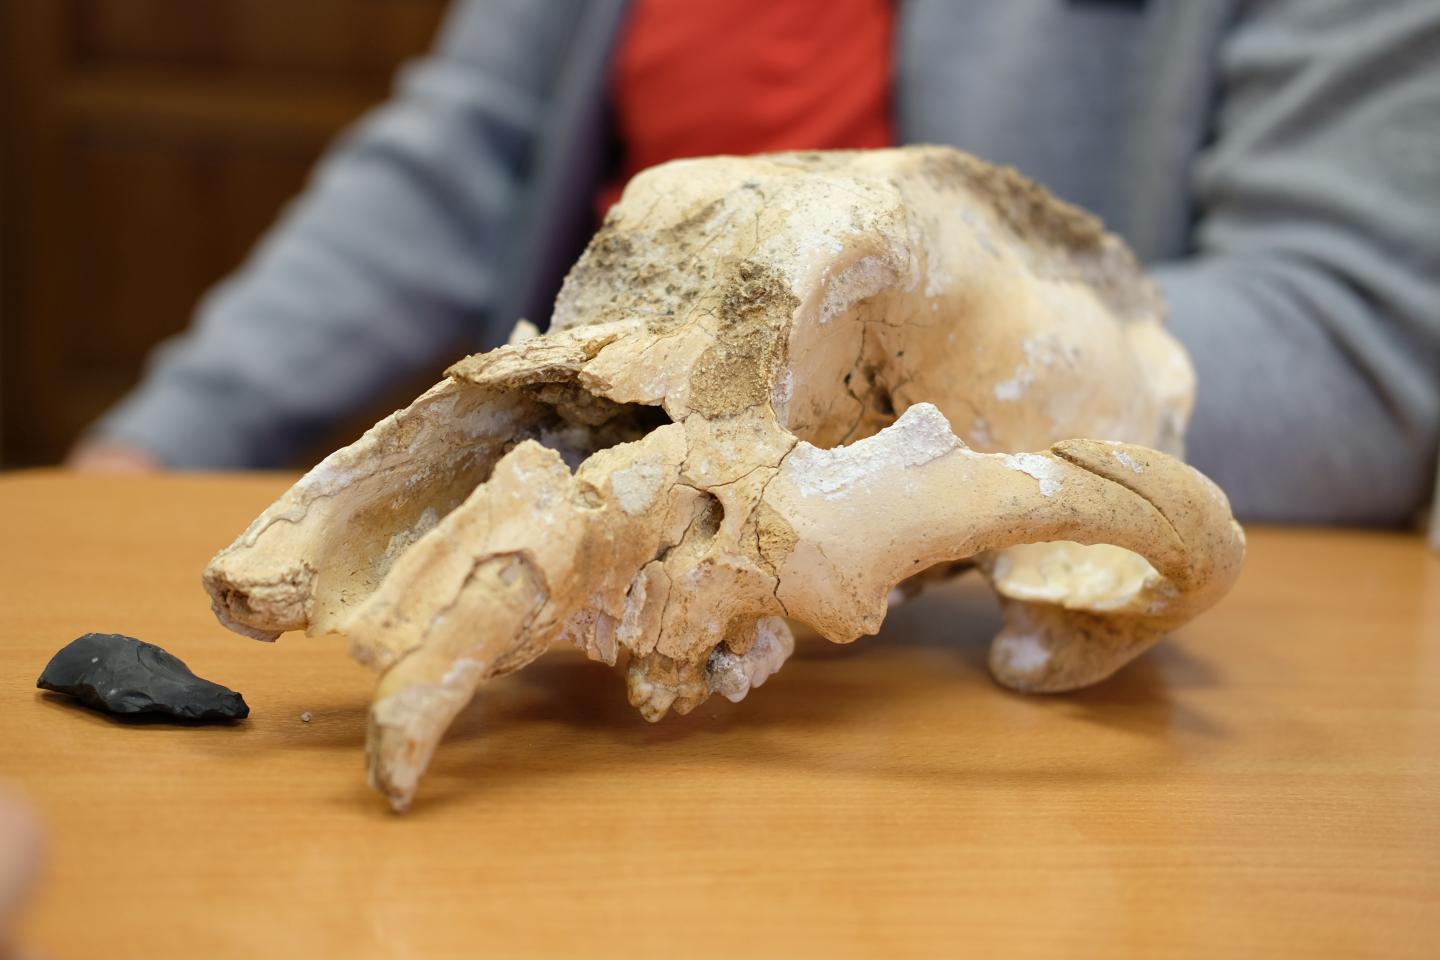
(1265, 784)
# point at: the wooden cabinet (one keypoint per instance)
(146, 145)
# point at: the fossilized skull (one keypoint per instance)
(773, 388)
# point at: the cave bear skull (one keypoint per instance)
(773, 388)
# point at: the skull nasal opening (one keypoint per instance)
(577, 423)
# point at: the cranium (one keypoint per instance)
(772, 389)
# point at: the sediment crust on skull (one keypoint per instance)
(1098, 577)
(768, 391)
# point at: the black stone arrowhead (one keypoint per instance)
(122, 675)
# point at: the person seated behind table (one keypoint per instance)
(1274, 165)
(20, 847)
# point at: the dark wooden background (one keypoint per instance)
(146, 145)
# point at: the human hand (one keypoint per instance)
(100, 456)
(20, 845)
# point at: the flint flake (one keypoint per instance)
(122, 675)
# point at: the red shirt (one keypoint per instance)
(698, 77)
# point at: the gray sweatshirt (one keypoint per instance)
(1276, 163)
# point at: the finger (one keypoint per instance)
(20, 848)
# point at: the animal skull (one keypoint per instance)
(773, 388)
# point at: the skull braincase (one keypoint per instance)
(772, 389)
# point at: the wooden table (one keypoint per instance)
(1265, 784)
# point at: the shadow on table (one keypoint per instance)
(867, 708)
(857, 709)
(73, 705)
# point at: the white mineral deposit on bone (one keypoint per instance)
(862, 279)
(922, 434)
(636, 486)
(980, 432)
(1025, 652)
(1127, 461)
(1043, 469)
(1013, 388)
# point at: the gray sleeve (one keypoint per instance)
(1311, 305)
(388, 260)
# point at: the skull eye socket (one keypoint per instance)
(846, 365)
